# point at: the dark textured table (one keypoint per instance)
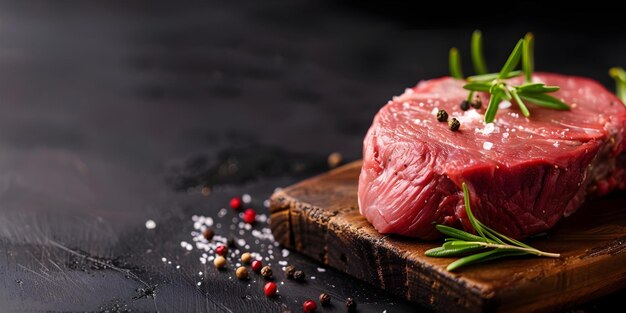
(113, 113)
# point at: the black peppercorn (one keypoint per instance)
(465, 105)
(477, 104)
(266, 272)
(350, 304)
(324, 298)
(208, 234)
(289, 271)
(442, 115)
(299, 276)
(231, 243)
(454, 124)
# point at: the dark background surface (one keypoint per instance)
(115, 112)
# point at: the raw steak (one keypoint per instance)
(524, 174)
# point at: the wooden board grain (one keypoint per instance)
(319, 217)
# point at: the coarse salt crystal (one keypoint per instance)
(246, 198)
(489, 128)
(150, 224)
(505, 104)
(556, 144)
(487, 145)
(405, 105)
(505, 135)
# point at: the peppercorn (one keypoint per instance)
(477, 104)
(324, 299)
(290, 270)
(266, 272)
(454, 124)
(249, 216)
(465, 105)
(309, 306)
(350, 304)
(246, 258)
(334, 159)
(299, 276)
(442, 115)
(235, 203)
(221, 250)
(270, 289)
(231, 243)
(219, 262)
(208, 233)
(242, 272)
(256, 266)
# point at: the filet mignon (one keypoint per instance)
(524, 174)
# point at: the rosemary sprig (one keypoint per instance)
(619, 75)
(488, 245)
(496, 84)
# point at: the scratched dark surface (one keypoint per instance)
(113, 113)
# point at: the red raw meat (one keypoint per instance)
(524, 174)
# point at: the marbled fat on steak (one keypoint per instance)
(524, 174)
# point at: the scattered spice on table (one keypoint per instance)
(235, 203)
(221, 250)
(290, 270)
(256, 266)
(350, 304)
(246, 258)
(249, 216)
(242, 272)
(270, 289)
(309, 306)
(208, 233)
(334, 159)
(219, 262)
(324, 299)
(299, 276)
(266, 272)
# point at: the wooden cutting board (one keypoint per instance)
(319, 217)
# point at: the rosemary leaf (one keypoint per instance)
(485, 257)
(491, 76)
(528, 57)
(520, 103)
(457, 233)
(537, 88)
(455, 64)
(441, 252)
(544, 100)
(477, 86)
(512, 61)
(477, 53)
(619, 75)
(492, 108)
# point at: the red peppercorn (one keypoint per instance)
(249, 216)
(270, 289)
(256, 266)
(221, 250)
(235, 203)
(309, 306)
